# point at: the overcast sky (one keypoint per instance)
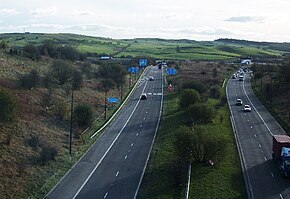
(258, 20)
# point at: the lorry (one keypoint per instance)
(281, 153)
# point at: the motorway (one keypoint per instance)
(253, 131)
(114, 166)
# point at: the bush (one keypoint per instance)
(188, 97)
(199, 145)
(30, 80)
(83, 115)
(7, 106)
(200, 113)
(61, 71)
(215, 92)
(31, 52)
(47, 153)
(60, 110)
(197, 85)
(208, 146)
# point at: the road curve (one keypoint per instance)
(253, 131)
(114, 166)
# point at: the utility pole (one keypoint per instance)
(71, 120)
(106, 90)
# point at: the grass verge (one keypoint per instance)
(223, 180)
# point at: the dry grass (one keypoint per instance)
(20, 173)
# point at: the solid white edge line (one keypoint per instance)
(241, 154)
(144, 169)
(256, 109)
(125, 101)
(109, 147)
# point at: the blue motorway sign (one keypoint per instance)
(113, 99)
(143, 62)
(133, 69)
(171, 71)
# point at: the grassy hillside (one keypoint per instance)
(156, 48)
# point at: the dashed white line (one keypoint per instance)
(125, 157)
(141, 125)
(255, 136)
(132, 144)
(281, 196)
(251, 127)
(272, 174)
(260, 146)
(265, 158)
(117, 173)
(106, 195)
(144, 118)
(137, 134)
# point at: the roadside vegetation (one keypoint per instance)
(195, 129)
(41, 74)
(271, 83)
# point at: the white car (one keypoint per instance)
(239, 102)
(151, 78)
(247, 108)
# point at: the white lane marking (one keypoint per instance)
(146, 112)
(132, 144)
(265, 158)
(117, 173)
(141, 125)
(260, 146)
(256, 109)
(137, 134)
(106, 195)
(125, 157)
(148, 107)
(241, 154)
(86, 181)
(272, 174)
(255, 136)
(144, 118)
(251, 127)
(160, 111)
(281, 196)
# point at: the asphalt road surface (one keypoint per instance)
(253, 132)
(114, 166)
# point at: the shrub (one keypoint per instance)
(215, 92)
(200, 113)
(60, 110)
(47, 153)
(188, 97)
(197, 85)
(29, 80)
(7, 106)
(83, 115)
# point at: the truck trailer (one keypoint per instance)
(281, 153)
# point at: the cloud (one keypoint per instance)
(44, 12)
(178, 16)
(6, 11)
(244, 19)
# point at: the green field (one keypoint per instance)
(155, 48)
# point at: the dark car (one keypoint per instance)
(143, 96)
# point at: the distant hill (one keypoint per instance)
(270, 45)
(169, 49)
